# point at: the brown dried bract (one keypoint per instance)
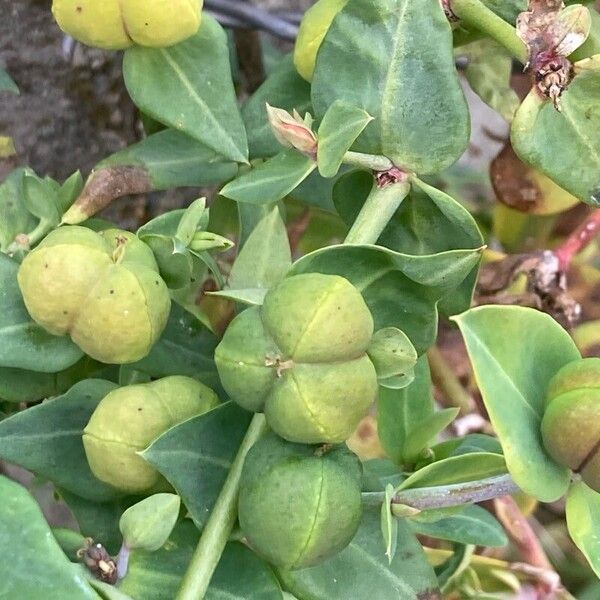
(512, 182)
(551, 33)
(105, 185)
(97, 559)
(546, 288)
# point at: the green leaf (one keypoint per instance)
(46, 439)
(7, 84)
(394, 59)
(428, 221)
(23, 343)
(583, 521)
(265, 258)
(389, 524)
(362, 570)
(240, 575)
(472, 442)
(420, 437)
(37, 568)
(186, 347)
(170, 159)
(148, 524)
(564, 145)
(457, 469)
(271, 180)
(472, 525)
(401, 413)
(393, 356)
(283, 88)
(195, 456)
(188, 86)
(40, 197)
(14, 216)
(507, 9)
(389, 280)
(514, 352)
(488, 73)
(248, 296)
(341, 125)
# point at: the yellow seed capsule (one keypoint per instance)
(118, 24)
(128, 419)
(102, 289)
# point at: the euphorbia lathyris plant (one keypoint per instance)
(198, 436)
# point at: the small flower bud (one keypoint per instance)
(292, 131)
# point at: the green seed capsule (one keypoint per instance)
(571, 423)
(301, 358)
(299, 504)
(128, 419)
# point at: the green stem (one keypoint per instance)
(445, 496)
(372, 162)
(448, 383)
(379, 208)
(478, 15)
(220, 523)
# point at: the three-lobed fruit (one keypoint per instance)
(299, 504)
(301, 358)
(118, 24)
(129, 418)
(315, 24)
(103, 289)
(571, 422)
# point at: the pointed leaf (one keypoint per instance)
(248, 296)
(394, 59)
(393, 356)
(14, 216)
(7, 84)
(195, 456)
(37, 568)
(266, 257)
(419, 438)
(271, 180)
(389, 524)
(188, 87)
(514, 352)
(341, 125)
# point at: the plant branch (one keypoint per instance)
(578, 240)
(378, 209)
(368, 161)
(449, 495)
(478, 15)
(448, 383)
(220, 524)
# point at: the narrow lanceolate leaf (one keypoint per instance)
(394, 59)
(362, 570)
(37, 568)
(402, 412)
(271, 180)
(6, 83)
(265, 258)
(564, 145)
(583, 521)
(389, 279)
(23, 343)
(341, 125)
(513, 363)
(188, 87)
(46, 439)
(389, 524)
(195, 456)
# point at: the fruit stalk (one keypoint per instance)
(220, 523)
(578, 240)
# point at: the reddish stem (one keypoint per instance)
(578, 240)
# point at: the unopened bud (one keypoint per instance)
(293, 131)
